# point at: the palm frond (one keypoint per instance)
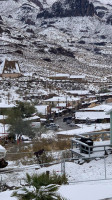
(41, 187)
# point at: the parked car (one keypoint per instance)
(72, 124)
(52, 126)
(68, 121)
(65, 119)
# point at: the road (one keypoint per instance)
(63, 125)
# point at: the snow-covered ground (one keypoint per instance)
(94, 170)
(81, 191)
(87, 191)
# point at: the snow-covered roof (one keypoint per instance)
(32, 118)
(83, 129)
(62, 99)
(60, 75)
(79, 92)
(104, 94)
(102, 107)
(77, 76)
(5, 105)
(91, 115)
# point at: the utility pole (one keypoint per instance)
(4, 123)
(66, 101)
(105, 168)
(110, 112)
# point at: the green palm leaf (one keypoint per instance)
(39, 187)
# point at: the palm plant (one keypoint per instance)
(39, 187)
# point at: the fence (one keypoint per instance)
(76, 170)
(81, 170)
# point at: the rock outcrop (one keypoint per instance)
(1, 21)
(109, 20)
(68, 8)
(0, 18)
(37, 3)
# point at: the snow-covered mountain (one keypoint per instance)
(77, 40)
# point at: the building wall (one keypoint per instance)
(16, 75)
(78, 80)
(58, 78)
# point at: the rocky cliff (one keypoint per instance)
(68, 8)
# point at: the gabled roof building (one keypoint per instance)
(10, 69)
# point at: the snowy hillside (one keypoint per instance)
(50, 40)
(78, 45)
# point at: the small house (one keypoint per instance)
(66, 101)
(77, 78)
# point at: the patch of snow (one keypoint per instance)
(85, 129)
(87, 191)
(102, 107)
(91, 115)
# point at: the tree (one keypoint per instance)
(26, 109)
(16, 120)
(41, 187)
(21, 127)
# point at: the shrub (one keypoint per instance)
(41, 187)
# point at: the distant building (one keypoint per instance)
(59, 76)
(92, 117)
(62, 101)
(81, 93)
(77, 78)
(10, 69)
(68, 77)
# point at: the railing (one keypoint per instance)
(100, 135)
(87, 149)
